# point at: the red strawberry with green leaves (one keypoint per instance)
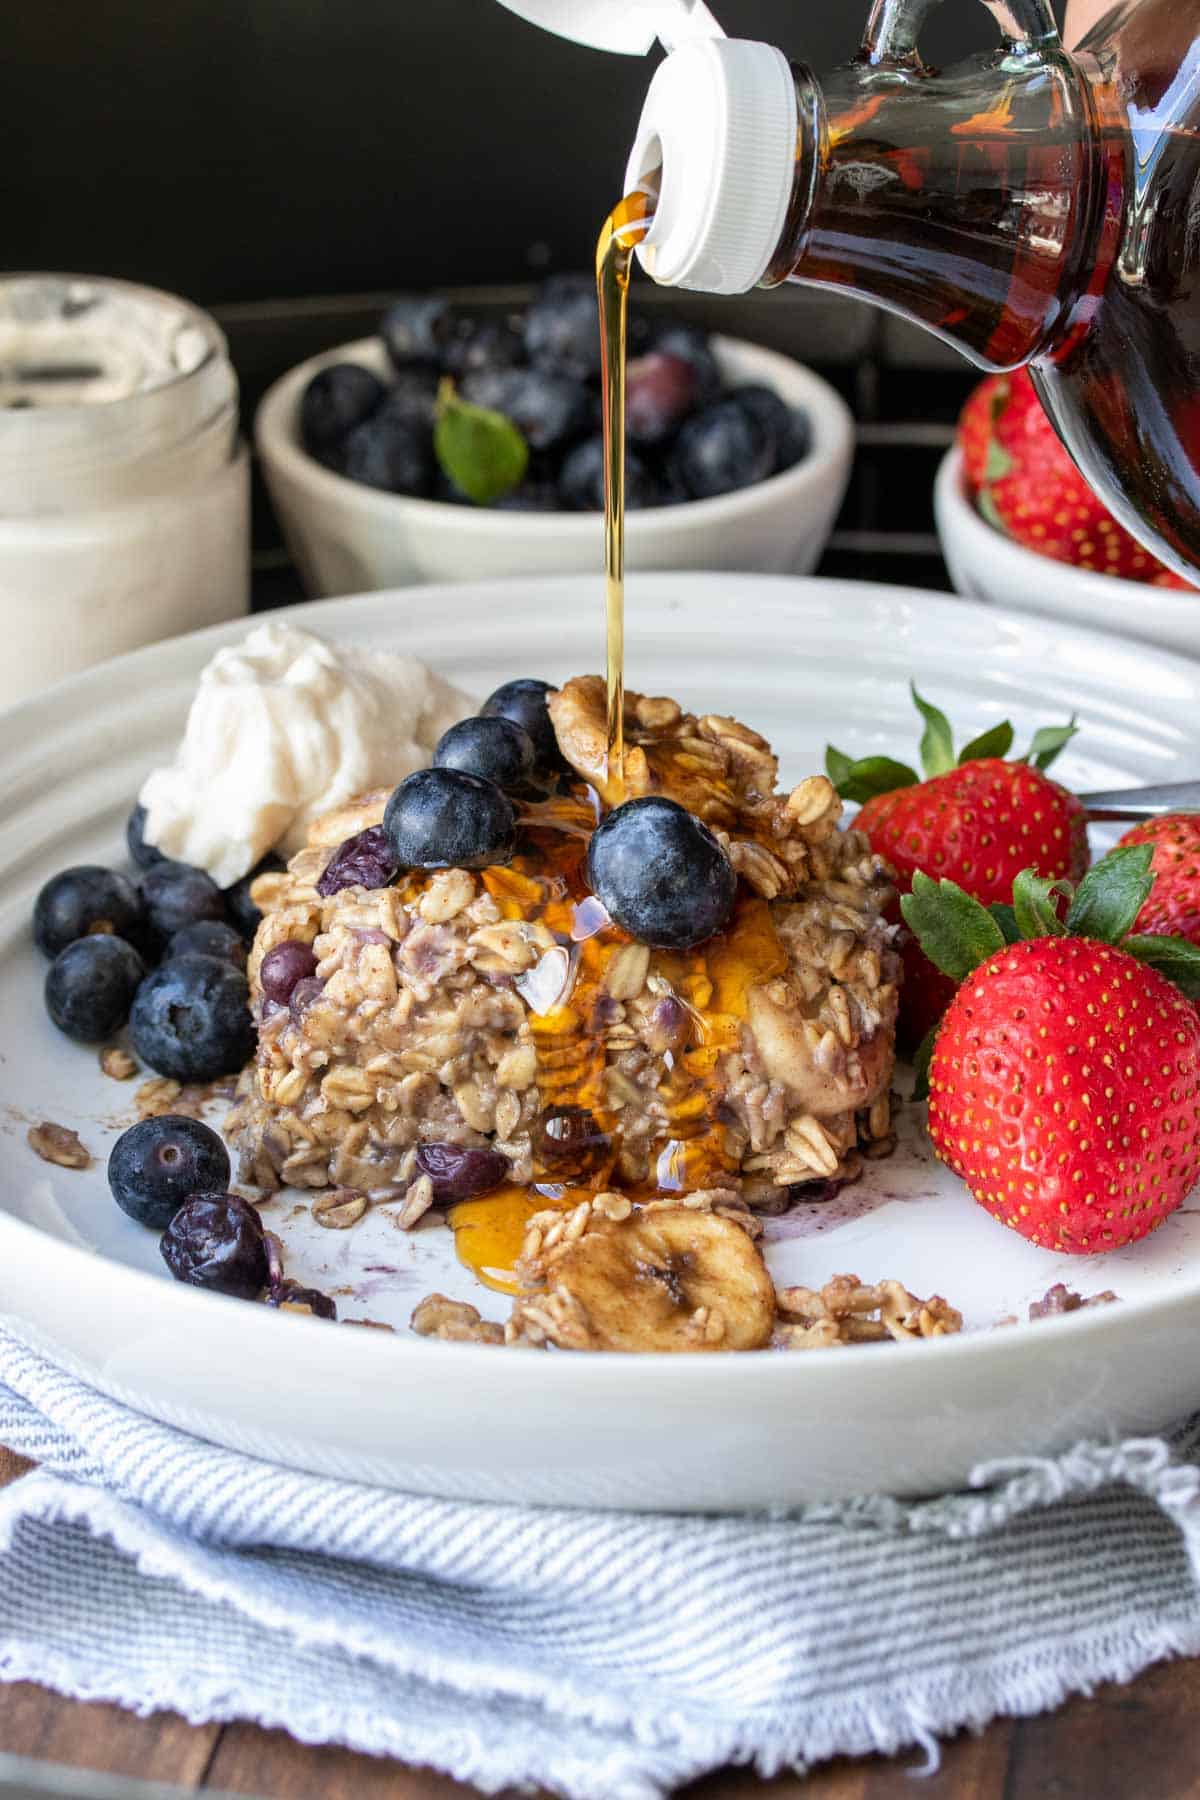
(976, 818)
(1174, 903)
(1026, 485)
(1064, 1080)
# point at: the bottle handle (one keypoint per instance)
(1027, 26)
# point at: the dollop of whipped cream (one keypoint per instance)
(283, 727)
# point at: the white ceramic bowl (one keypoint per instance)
(986, 565)
(344, 537)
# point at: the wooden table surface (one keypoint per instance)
(1134, 1743)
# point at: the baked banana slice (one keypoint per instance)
(663, 1278)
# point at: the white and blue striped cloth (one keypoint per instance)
(605, 1656)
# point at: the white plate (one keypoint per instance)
(805, 662)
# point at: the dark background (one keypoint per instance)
(239, 150)
(292, 163)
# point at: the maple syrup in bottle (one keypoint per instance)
(1029, 207)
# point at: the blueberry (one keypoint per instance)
(447, 819)
(143, 854)
(695, 347)
(562, 327)
(209, 937)
(459, 1172)
(790, 425)
(217, 1241)
(524, 702)
(660, 391)
(90, 987)
(239, 905)
(339, 397)
(531, 496)
(549, 410)
(581, 479)
(83, 901)
(722, 448)
(411, 395)
(283, 967)
(157, 1163)
(304, 994)
(191, 1019)
(392, 453)
(415, 329)
(481, 344)
(175, 894)
(365, 860)
(495, 748)
(661, 874)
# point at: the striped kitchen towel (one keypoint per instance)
(605, 1656)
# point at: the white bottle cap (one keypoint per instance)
(720, 120)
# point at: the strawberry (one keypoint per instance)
(976, 422)
(1064, 1080)
(1174, 903)
(976, 818)
(1026, 485)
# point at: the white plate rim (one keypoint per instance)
(679, 1370)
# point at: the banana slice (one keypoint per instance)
(670, 1278)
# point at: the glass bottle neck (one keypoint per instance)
(966, 202)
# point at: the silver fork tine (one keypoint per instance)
(1144, 802)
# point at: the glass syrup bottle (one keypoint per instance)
(1028, 206)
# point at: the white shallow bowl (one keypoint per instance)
(807, 661)
(345, 537)
(986, 565)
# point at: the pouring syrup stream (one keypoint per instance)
(624, 228)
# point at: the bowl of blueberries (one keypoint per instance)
(454, 446)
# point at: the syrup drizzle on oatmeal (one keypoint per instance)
(705, 993)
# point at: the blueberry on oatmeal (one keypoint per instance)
(81, 902)
(460, 1171)
(191, 1019)
(159, 1162)
(447, 819)
(495, 749)
(216, 1241)
(90, 987)
(209, 937)
(365, 860)
(175, 894)
(305, 993)
(524, 702)
(661, 874)
(284, 967)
